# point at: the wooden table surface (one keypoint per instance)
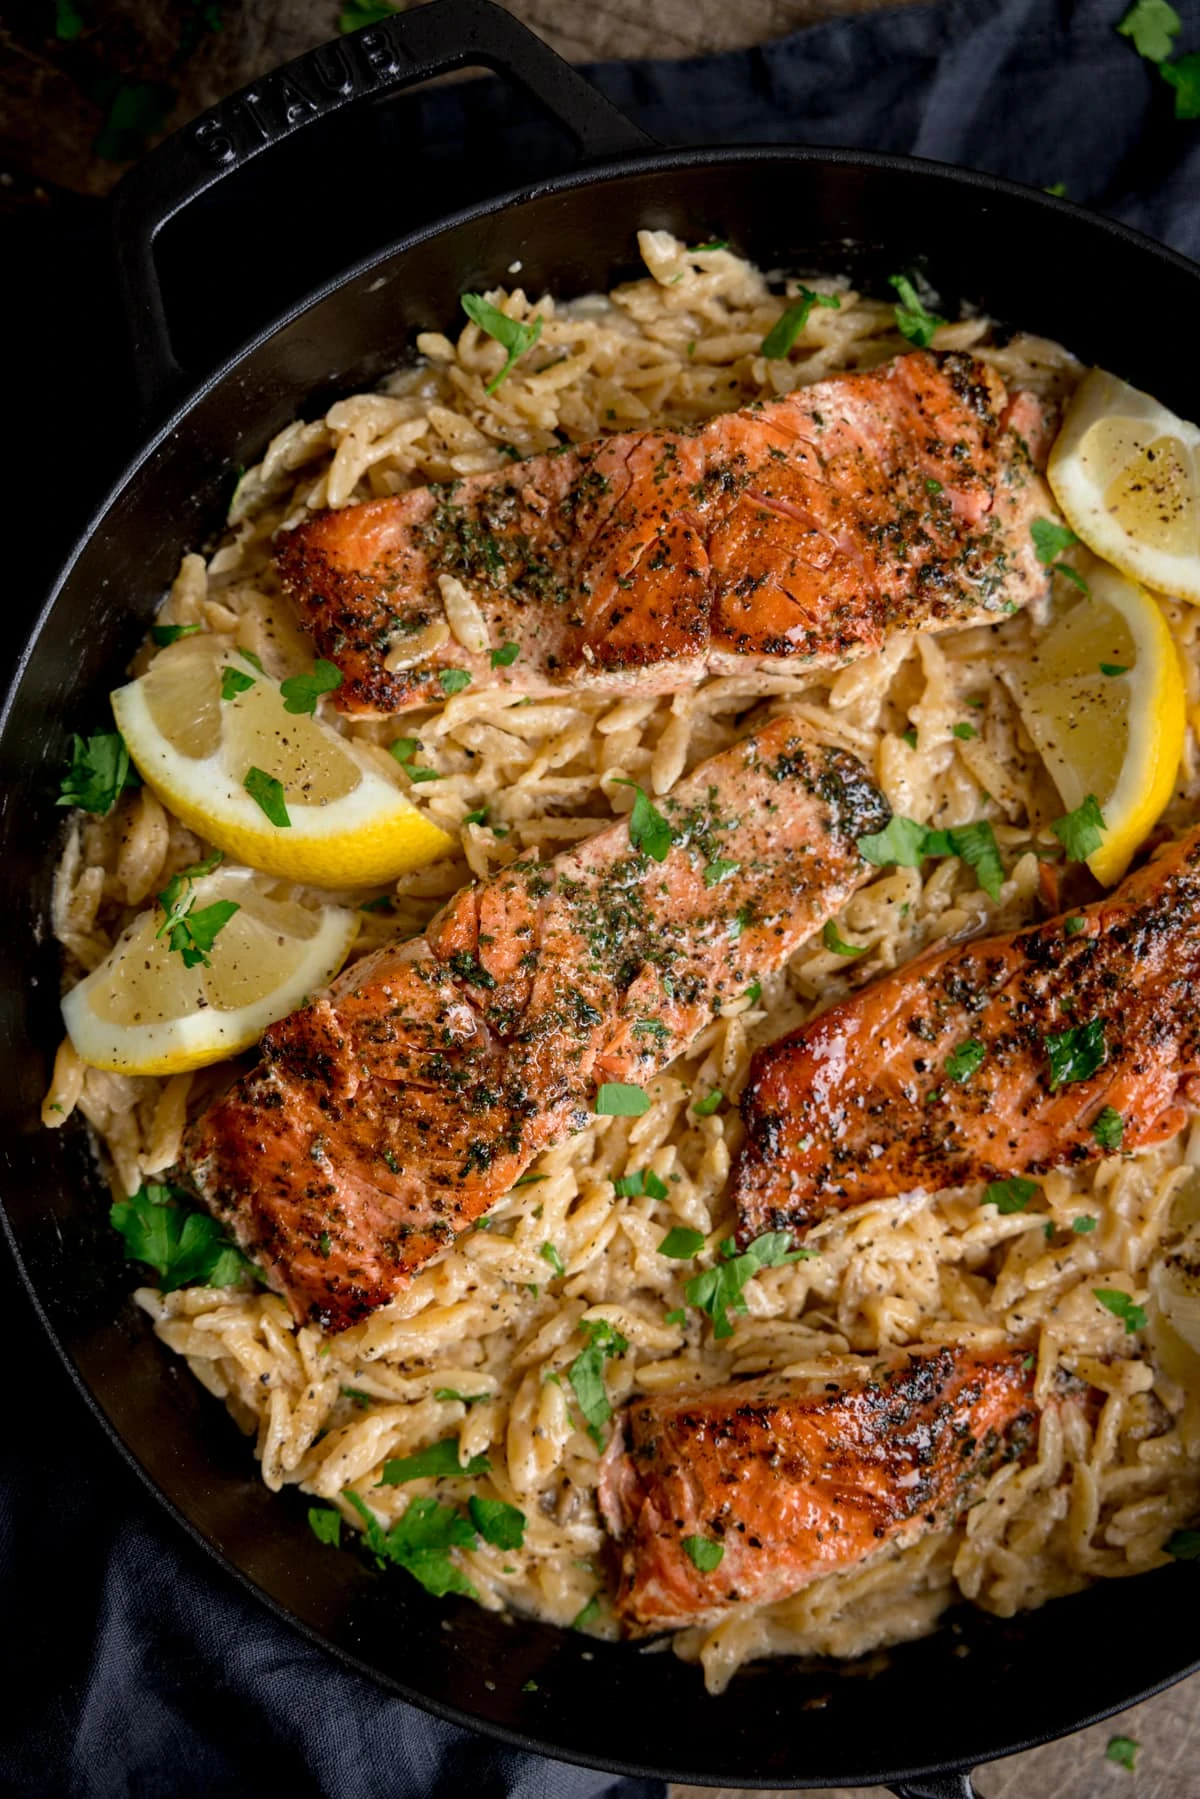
(52, 106)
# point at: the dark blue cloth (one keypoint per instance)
(132, 1666)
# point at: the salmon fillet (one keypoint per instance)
(1092, 1012)
(796, 1479)
(390, 1113)
(802, 529)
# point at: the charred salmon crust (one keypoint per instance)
(806, 528)
(1091, 1013)
(390, 1113)
(796, 1479)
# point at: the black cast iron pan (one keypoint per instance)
(916, 1718)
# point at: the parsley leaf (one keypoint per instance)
(515, 337)
(704, 1108)
(703, 1553)
(1074, 925)
(497, 1522)
(1083, 1225)
(976, 844)
(1123, 1751)
(183, 1247)
(831, 940)
(1108, 1128)
(1009, 1196)
(1184, 1545)
(98, 774)
(642, 1182)
(718, 1291)
(438, 1462)
(678, 1316)
(549, 1254)
(1114, 1300)
(325, 1524)
(906, 843)
(453, 680)
(452, 1393)
(1081, 832)
(68, 20)
(963, 732)
(1050, 540)
(1151, 25)
(681, 1244)
(1184, 76)
(1113, 668)
(648, 829)
(909, 737)
(165, 634)
(913, 318)
(506, 655)
(136, 110)
(235, 681)
(1075, 1054)
(966, 1060)
(301, 692)
(753, 992)
(357, 13)
(588, 1615)
(902, 841)
(586, 1374)
(404, 748)
(790, 324)
(189, 932)
(267, 793)
(620, 1099)
(420, 1542)
(719, 870)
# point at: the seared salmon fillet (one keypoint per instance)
(795, 1479)
(803, 529)
(1012, 1055)
(390, 1113)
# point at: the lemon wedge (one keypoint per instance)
(1102, 696)
(143, 1011)
(1126, 473)
(324, 813)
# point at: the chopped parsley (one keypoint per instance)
(643, 1182)
(235, 681)
(506, 655)
(831, 940)
(184, 1248)
(528, 1180)
(438, 1462)
(1073, 925)
(678, 1316)
(753, 992)
(1113, 668)
(906, 843)
(549, 1254)
(588, 1615)
(619, 1099)
(914, 320)
(719, 869)
(790, 323)
(514, 336)
(649, 831)
(1114, 1300)
(718, 1291)
(98, 773)
(704, 1108)
(497, 1522)
(586, 1374)
(420, 1542)
(1184, 76)
(1151, 25)
(267, 794)
(192, 933)
(963, 732)
(404, 748)
(932, 486)
(966, 1060)
(1184, 1545)
(301, 692)
(358, 13)
(453, 680)
(1009, 1196)
(909, 737)
(1075, 1054)
(1084, 1225)
(1049, 541)
(1081, 832)
(325, 1524)
(1108, 1128)
(1122, 1750)
(447, 1394)
(681, 1244)
(162, 635)
(703, 1553)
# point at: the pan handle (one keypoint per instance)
(955, 1784)
(365, 67)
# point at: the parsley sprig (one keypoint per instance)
(515, 336)
(192, 933)
(1081, 832)
(99, 772)
(301, 692)
(906, 843)
(914, 319)
(586, 1374)
(184, 1247)
(719, 1290)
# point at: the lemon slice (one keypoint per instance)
(1118, 736)
(144, 1012)
(349, 824)
(1126, 473)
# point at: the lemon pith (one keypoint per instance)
(1118, 736)
(1126, 473)
(350, 825)
(142, 1011)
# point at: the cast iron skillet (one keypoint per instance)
(977, 1689)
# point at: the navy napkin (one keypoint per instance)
(132, 1665)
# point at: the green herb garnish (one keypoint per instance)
(301, 692)
(681, 1244)
(1081, 832)
(512, 334)
(162, 636)
(1084, 1225)
(620, 1099)
(1009, 1196)
(1122, 1751)
(235, 681)
(704, 1108)
(1075, 1054)
(267, 794)
(966, 1060)
(98, 773)
(549, 1254)
(1133, 1317)
(914, 320)
(452, 1393)
(506, 655)
(185, 1248)
(649, 831)
(1108, 1128)
(438, 1462)
(325, 1524)
(497, 1522)
(192, 933)
(420, 1542)
(719, 869)
(1114, 668)
(718, 1291)
(1184, 1545)
(831, 940)
(790, 324)
(703, 1553)
(1151, 25)
(963, 732)
(453, 680)
(643, 1182)
(586, 1374)
(358, 13)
